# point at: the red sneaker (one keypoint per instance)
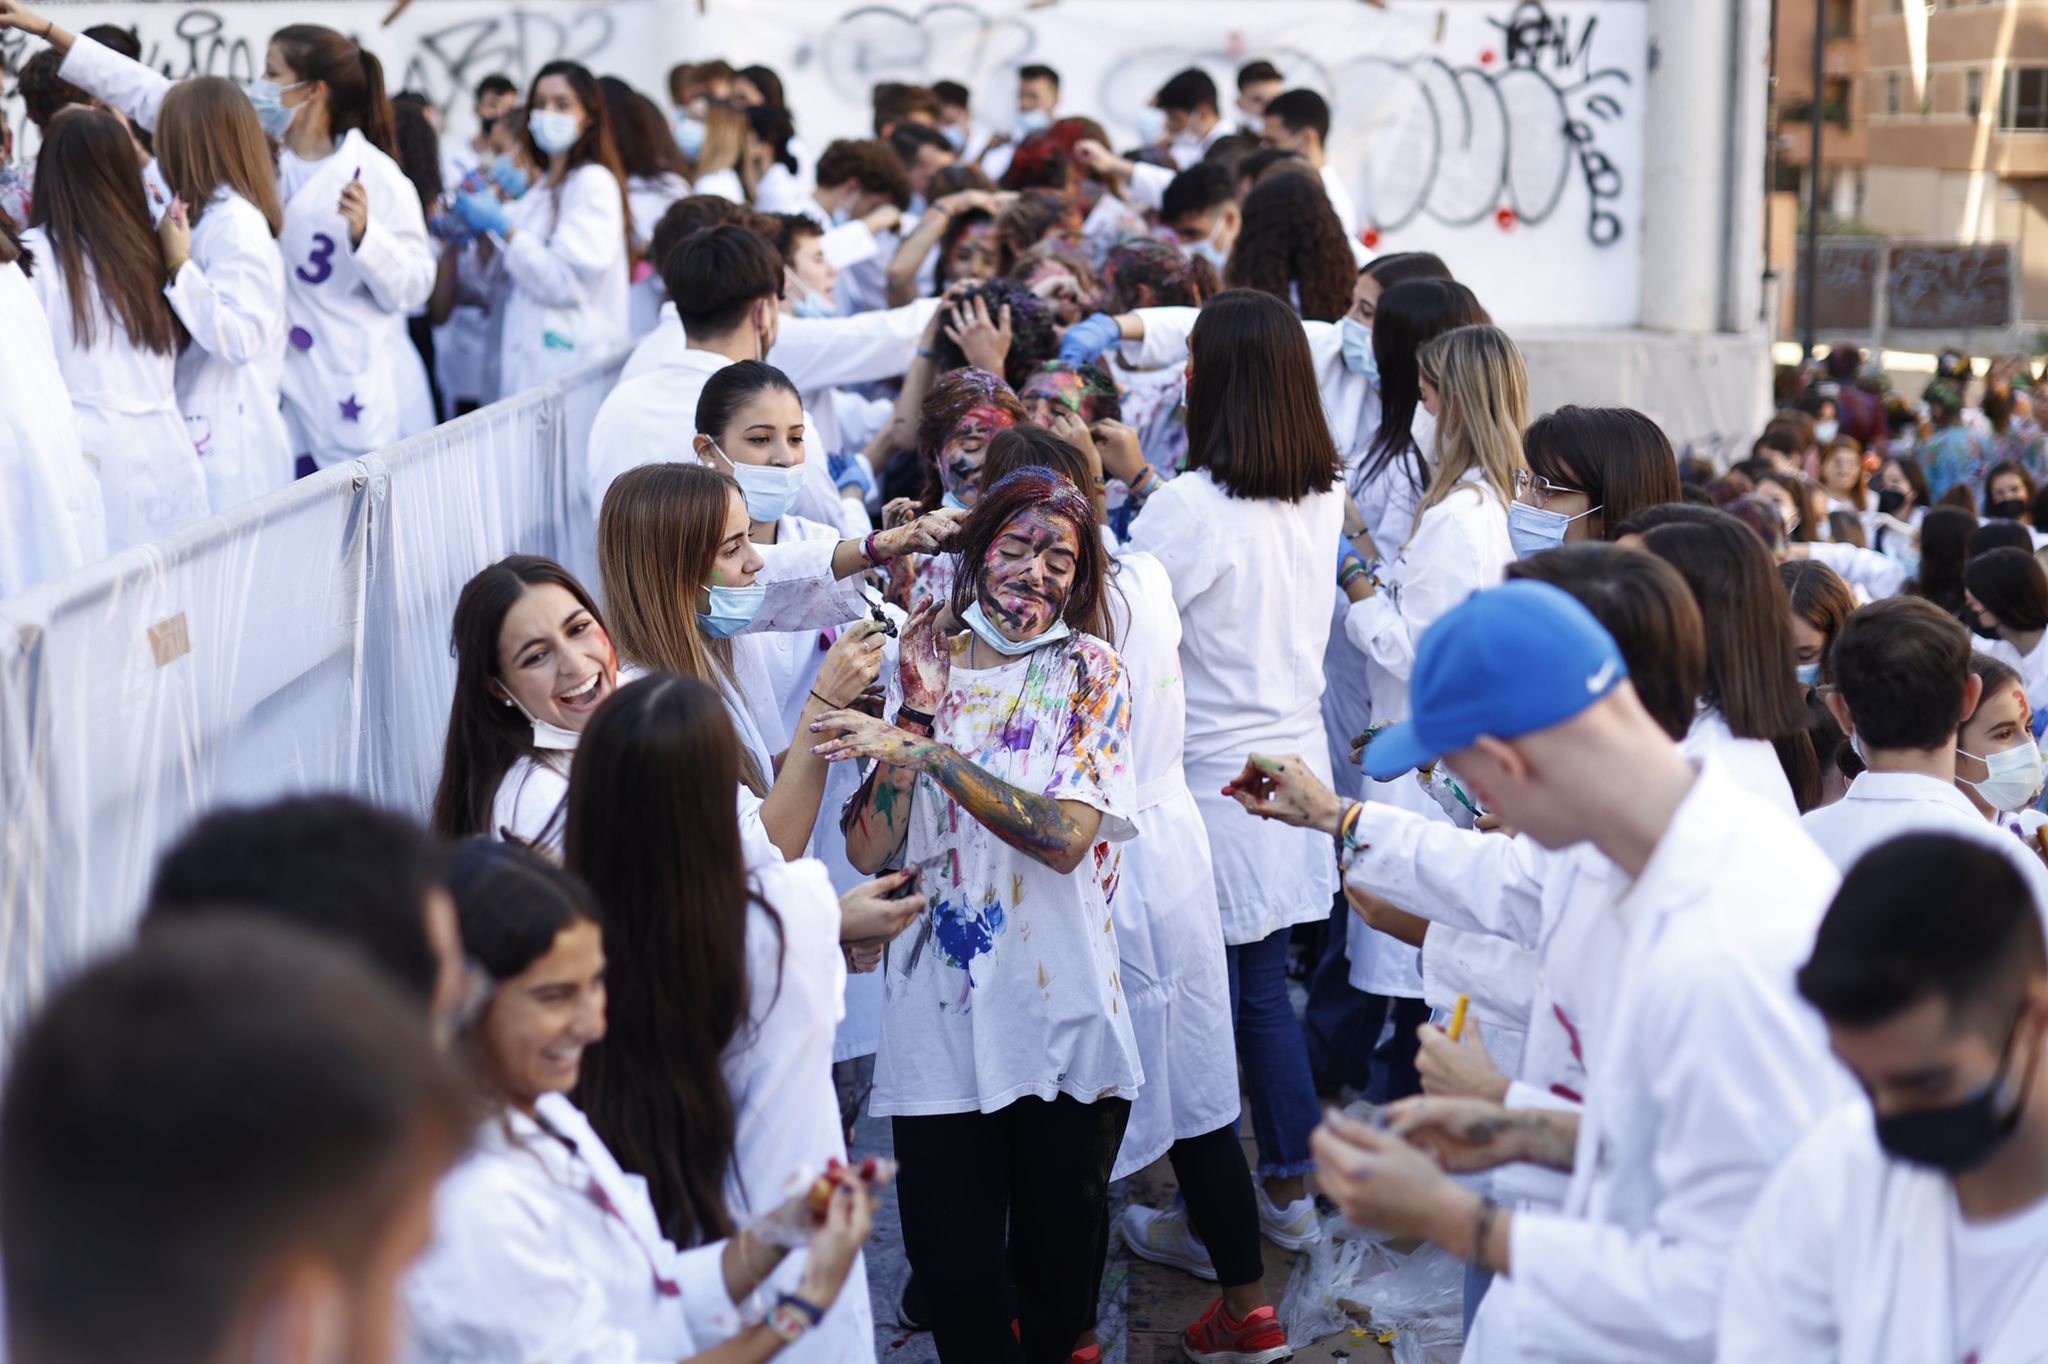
(1216, 1339)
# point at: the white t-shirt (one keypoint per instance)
(1009, 986)
(1994, 1264)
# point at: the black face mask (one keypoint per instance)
(488, 125)
(1977, 626)
(2012, 509)
(1890, 501)
(1961, 1136)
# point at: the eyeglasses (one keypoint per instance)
(1543, 488)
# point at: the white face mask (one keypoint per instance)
(554, 131)
(1826, 431)
(547, 737)
(2013, 776)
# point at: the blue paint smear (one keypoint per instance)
(964, 934)
(1017, 733)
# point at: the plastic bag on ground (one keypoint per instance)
(1323, 1290)
(1422, 1300)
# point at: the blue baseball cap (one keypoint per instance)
(1505, 662)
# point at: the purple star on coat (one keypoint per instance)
(351, 410)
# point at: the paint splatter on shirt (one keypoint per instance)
(983, 1005)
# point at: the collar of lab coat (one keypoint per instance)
(694, 361)
(1910, 786)
(1686, 859)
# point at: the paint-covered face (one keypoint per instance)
(1047, 395)
(973, 256)
(1028, 574)
(1057, 285)
(961, 457)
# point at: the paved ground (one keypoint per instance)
(1144, 1306)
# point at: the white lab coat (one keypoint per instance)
(51, 521)
(352, 381)
(1752, 762)
(526, 1264)
(1169, 932)
(126, 401)
(723, 184)
(1254, 580)
(1850, 1257)
(468, 346)
(1875, 575)
(815, 352)
(1710, 1070)
(779, 1073)
(1881, 806)
(567, 304)
(649, 196)
(532, 801)
(230, 296)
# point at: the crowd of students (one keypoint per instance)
(1048, 599)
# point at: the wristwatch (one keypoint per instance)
(792, 1316)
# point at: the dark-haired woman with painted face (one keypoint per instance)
(1007, 1059)
(357, 259)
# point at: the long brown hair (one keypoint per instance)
(354, 79)
(654, 833)
(594, 147)
(1037, 488)
(1292, 246)
(657, 536)
(485, 738)
(207, 138)
(89, 203)
(1255, 416)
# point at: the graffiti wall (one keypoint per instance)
(1506, 135)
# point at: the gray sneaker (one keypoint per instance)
(1166, 1237)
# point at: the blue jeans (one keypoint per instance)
(1343, 1026)
(1274, 1056)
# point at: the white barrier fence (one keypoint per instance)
(299, 643)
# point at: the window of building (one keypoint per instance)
(1973, 94)
(2026, 100)
(1893, 91)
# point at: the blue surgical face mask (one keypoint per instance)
(732, 610)
(690, 135)
(1356, 338)
(1031, 121)
(841, 216)
(1209, 251)
(813, 305)
(1531, 530)
(770, 489)
(1808, 674)
(1151, 125)
(268, 97)
(985, 630)
(554, 132)
(956, 135)
(952, 500)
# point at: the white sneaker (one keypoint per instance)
(1295, 1227)
(1166, 1237)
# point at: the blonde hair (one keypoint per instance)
(1482, 392)
(207, 137)
(657, 535)
(725, 145)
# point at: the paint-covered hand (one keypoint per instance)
(1461, 1135)
(354, 208)
(1460, 1069)
(1284, 788)
(1097, 157)
(1069, 427)
(926, 534)
(1378, 1180)
(1089, 338)
(983, 339)
(1122, 455)
(863, 736)
(875, 911)
(853, 663)
(924, 659)
(482, 212)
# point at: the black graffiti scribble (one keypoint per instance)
(880, 43)
(1472, 141)
(447, 62)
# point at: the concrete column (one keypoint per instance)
(1686, 164)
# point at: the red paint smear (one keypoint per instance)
(1371, 238)
(1486, 57)
(1506, 219)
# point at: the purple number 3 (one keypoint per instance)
(321, 261)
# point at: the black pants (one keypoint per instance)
(1017, 1196)
(1216, 1184)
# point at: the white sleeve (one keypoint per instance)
(1447, 568)
(1148, 184)
(1779, 1300)
(1167, 529)
(563, 268)
(1735, 1087)
(231, 296)
(1165, 341)
(395, 258)
(1498, 976)
(1879, 575)
(830, 352)
(129, 86)
(1460, 878)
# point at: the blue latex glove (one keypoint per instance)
(849, 472)
(482, 212)
(1089, 338)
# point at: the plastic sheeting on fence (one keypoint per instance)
(299, 643)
